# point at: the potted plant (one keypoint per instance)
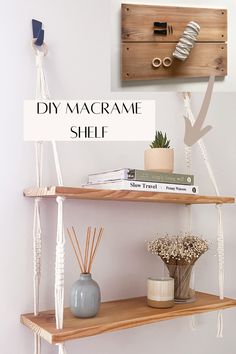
(160, 157)
(179, 253)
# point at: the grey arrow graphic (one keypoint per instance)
(194, 132)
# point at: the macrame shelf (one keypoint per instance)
(117, 315)
(122, 195)
(140, 45)
(59, 325)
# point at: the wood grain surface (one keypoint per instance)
(140, 45)
(117, 315)
(124, 195)
(137, 22)
(205, 59)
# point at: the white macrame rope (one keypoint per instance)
(220, 236)
(42, 93)
(59, 265)
(220, 250)
(37, 344)
(37, 245)
(61, 349)
(57, 164)
(188, 160)
(37, 248)
(201, 144)
(220, 324)
(39, 162)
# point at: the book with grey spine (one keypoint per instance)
(141, 175)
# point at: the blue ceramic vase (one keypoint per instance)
(85, 297)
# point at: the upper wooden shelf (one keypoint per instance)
(124, 195)
(117, 315)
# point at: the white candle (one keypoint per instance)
(160, 292)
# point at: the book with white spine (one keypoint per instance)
(144, 186)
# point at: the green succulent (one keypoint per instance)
(160, 141)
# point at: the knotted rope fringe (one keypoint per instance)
(59, 266)
(220, 238)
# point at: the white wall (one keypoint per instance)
(78, 32)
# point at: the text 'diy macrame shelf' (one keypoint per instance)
(150, 35)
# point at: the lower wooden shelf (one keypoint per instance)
(117, 315)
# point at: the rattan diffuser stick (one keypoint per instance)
(90, 250)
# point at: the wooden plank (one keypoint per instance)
(117, 315)
(124, 195)
(137, 22)
(205, 59)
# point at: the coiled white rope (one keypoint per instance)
(220, 236)
(187, 41)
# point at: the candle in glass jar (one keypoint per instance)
(160, 292)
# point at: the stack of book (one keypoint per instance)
(142, 180)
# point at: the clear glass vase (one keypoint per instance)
(183, 282)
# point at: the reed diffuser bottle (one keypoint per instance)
(85, 296)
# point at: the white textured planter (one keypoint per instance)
(159, 159)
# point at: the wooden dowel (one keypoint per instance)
(79, 249)
(91, 249)
(97, 244)
(87, 248)
(76, 254)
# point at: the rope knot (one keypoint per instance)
(60, 199)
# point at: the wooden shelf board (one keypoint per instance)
(124, 195)
(117, 315)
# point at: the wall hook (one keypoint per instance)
(38, 32)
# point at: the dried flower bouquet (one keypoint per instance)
(179, 253)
